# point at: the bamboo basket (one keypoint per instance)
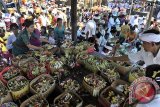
(104, 101)
(32, 98)
(7, 98)
(6, 70)
(20, 93)
(63, 94)
(89, 88)
(50, 90)
(109, 79)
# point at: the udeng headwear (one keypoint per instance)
(150, 37)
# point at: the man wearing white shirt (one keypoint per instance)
(13, 18)
(134, 21)
(90, 29)
(150, 53)
(2, 23)
(44, 19)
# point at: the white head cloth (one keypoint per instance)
(150, 37)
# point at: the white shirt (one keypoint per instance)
(13, 19)
(91, 28)
(154, 103)
(111, 22)
(79, 33)
(2, 24)
(134, 21)
(31, 10)
(44, 20)
(147, 57)
(126, 6)
(118, 21)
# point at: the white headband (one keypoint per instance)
(150, 37)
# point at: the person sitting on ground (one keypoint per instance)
(149, 53)
(12, 38)
(22, 43)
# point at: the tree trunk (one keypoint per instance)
(150, 15)
(74, 19)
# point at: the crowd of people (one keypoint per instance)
(50, 23)
(112, 31)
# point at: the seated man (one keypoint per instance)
(150, 53)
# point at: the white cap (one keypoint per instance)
(150, 37)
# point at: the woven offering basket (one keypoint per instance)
(92, 89)
(104, 101)
(7, 70)
(31, 100)
(7, 98)
(50, 90)
(110, 79)
(63, 94)
(21, 92)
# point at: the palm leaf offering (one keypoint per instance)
(70, 85)
(68, 99)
